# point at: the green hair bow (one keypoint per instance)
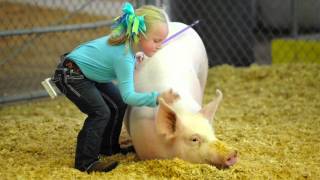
(129, 23)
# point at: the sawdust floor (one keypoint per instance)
(271, 114)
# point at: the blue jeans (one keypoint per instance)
(105, 108)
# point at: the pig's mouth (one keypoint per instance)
(223, 164)
(218, 165)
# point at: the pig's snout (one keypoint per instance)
(227, 160)
(223, 156)
(231, 159)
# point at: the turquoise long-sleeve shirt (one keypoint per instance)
(102, 63)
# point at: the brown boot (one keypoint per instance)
(102, 166)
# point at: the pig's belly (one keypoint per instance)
(144, 139)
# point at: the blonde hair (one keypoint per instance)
(152, 15)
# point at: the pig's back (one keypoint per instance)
(177, 65)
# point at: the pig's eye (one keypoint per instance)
(195, 139)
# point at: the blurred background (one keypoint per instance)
(34, 33)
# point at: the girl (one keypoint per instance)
(85, 76)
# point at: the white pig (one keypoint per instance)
(182, 129)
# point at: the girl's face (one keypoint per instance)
(153, 40)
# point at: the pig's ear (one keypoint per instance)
(209, 110)
(166, 120)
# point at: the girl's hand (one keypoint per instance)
(139, 60)
(139, 57)
(169, 96)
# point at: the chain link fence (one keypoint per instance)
(242, 32)
(34, 33)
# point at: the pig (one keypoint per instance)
(184, 128)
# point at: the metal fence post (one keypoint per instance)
(295, 28)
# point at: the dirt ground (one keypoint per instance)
(270, 114)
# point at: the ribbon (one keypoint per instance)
(129, 23)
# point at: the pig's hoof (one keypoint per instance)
(126, 143)
(218, 93)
